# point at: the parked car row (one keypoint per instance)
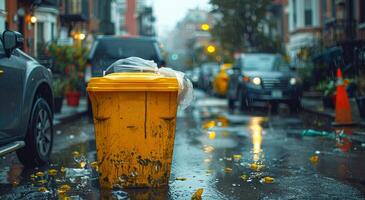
(254, 77)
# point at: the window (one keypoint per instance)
(52, 31)
(308, 12)
(324, 9)
(362, 11)
(333, 4)
(40, 32)
(294, 13)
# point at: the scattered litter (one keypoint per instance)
(209, 171)
(71, 136)
(208, 149)
(76, 172)
(65, 187)
(42, 189)
(207, 160)
(58, 132)
(211, 135)
(363, 145)
(228, 170)
(244, 177)
(267, 179)
(181, 179)
(32, 176)
(39, 174)
(314, 159)
(317, 152)
(228, 158)
(237, 157)
(75, 154)
(209, 124)
(83, 164)
(198, 194)
(234, 185)
(42, 181)
(311, 132)
(52, 172)
(120, 195)
(256, 167)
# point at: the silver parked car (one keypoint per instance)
(263, 77)
(26, 103)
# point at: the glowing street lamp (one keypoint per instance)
(211, 49)
(33, 19)
(205, 27)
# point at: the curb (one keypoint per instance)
(331, 116)
(325, 114)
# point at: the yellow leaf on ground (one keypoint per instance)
(198, 194)
(42, 181)
(42, 189)
(65, 187)
(228, 170)
(181, 179)
(244, 177)
(267, 179)
(52, 172)
(314, 159)
(40, 174)
(256, 167)
(76, 154)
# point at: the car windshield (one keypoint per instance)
(258, 63)
(109, 50)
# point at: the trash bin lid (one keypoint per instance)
(133, 82)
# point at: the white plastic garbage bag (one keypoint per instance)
(135, 64)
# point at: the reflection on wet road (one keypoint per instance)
(251, 155)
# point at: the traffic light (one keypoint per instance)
(211, 49)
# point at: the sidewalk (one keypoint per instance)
(313, 104)
(69, 113)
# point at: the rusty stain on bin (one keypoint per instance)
(135, 119)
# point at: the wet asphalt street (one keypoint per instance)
(252, 155)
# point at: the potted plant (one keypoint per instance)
(328, 88)
(74, 85)
(70, 63)
(58, 91)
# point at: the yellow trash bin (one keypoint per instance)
(135, 119)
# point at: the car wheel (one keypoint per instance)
(231, 103)
(39, 138)
(244, 102)
(294, 106)
(274, 107)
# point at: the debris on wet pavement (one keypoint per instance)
(198, 194)
(267, 179)
(314, 159)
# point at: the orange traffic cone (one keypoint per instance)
(343, 110)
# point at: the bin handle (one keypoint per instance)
(128, 68)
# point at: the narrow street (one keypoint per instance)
(250, 155)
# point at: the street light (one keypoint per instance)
(205, 27)
(33, 19)
(211, 49)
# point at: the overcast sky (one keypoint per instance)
(169, 12)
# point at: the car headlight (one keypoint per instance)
(293, 81)
(256, 81)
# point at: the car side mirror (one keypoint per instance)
(11, 41)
